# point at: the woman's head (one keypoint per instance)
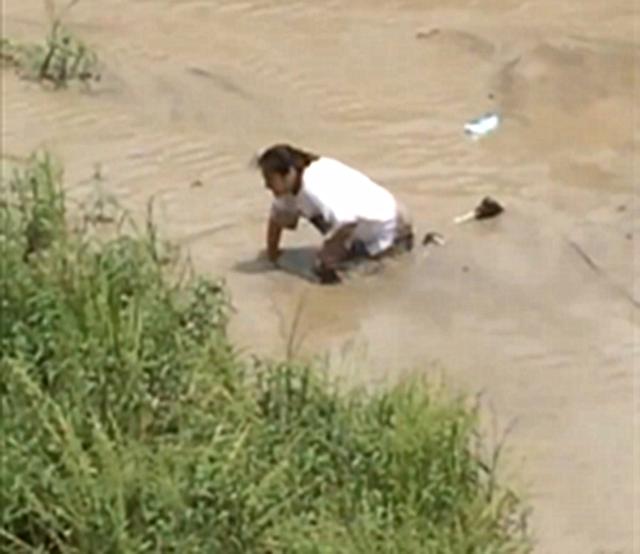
(282, 167)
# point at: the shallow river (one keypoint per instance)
(538, 308)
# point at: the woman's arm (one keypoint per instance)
(274, 232)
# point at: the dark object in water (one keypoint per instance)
(433, 238)
(486, 209)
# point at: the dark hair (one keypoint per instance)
(280, 158)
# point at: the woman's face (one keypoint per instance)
(279, 184)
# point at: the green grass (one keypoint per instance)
(62, 57)
(130, 425)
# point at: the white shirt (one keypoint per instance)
(343, 195)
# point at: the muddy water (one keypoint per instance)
(538, 309)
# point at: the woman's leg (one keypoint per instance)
(404, 237)
(341, 247)
(335, 251)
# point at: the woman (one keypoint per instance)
(357, 216)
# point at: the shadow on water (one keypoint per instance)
(296, 261)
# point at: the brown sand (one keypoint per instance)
(537, 308)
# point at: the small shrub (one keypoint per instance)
(61, 59)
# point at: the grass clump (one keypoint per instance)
(61, 59)
(129, 424)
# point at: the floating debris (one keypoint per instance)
(433, 238)
(427, 34)
(477, 128)
(486, 209)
